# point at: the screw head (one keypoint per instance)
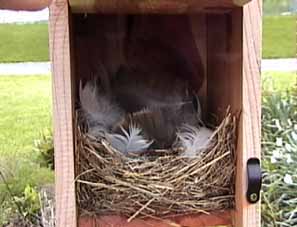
(254, 197)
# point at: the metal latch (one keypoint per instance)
(254, 175)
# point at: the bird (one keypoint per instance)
(159, 123)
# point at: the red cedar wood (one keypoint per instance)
(198, 25)
(63, 114)
(151, 6)
(234, 79)
(250, 134)
(246, 215)
(200, 220)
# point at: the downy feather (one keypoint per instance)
(99, 111)
(194, 140)
(130, 141)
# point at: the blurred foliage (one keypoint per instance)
(24, 42)
(45, 149)
(279, 157)
(19, 176)
(29, 203)
(279, 36)
(274, 7)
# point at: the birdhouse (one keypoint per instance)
(213, 45)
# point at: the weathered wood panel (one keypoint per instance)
(250, 141)
(224, 64)
(202, 220)
(63, 114)
(151, 6)
(234, 47)
(199, 33)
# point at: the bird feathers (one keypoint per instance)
(194, 140)
(98, 110)
(134, 117)
(130, 141)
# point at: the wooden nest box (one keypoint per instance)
(219, 42)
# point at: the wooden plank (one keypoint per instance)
(202, 220)
(199, 31)
(249, 142)
(151, 6)
(63, 114)
(223, 66)
(30, 5)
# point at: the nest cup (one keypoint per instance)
(157, 183)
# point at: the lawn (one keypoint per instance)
(29, 42)
(21, 43)
(279, 37)
(25, 110)
(279, 81)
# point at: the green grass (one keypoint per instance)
(279, 36)
(278, 81)
(21, 43)
(25, 110)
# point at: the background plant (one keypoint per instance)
(279, 156)
(44, 146)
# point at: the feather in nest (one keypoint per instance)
(130, 140)
(158, 124)
(193, 140)
(98, 110)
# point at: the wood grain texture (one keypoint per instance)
(199, 33)
(63, 114)
(151, 6)
(202, 220)
(250, 135)
(224, 64)
(143, 42)
(233, 60)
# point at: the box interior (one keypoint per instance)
(203, 49)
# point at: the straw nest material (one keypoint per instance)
(157, 183)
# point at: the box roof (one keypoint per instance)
(152, 6)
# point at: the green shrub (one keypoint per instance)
(28, 203)
(279, 158)
(20, 174)
(45, 149)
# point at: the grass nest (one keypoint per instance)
(158, 183)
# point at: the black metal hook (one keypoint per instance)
(254, 180)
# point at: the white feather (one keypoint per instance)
(98, 110)
(131, 141)
(194, 140)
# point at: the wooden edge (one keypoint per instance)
(248, 215)
(223, 218)
(152, 6)
(59, 34)
(241, 2)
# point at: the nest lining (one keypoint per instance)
(158, 183)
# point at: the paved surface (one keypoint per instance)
(28, 68)
(282, 65)
(35, 68)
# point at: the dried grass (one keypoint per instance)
(158, 183)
